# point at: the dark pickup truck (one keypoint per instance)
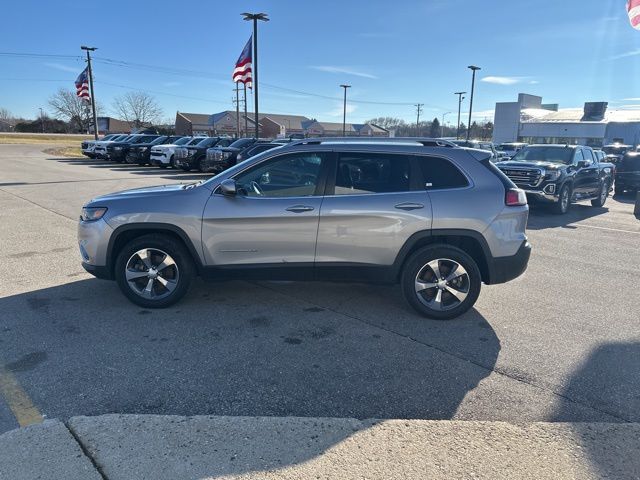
(559, 175)
(117, 151)
(189, 157)
(220, 158)
(628, 173)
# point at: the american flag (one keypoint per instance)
(82, 85)
(242, 72)
(633, 8)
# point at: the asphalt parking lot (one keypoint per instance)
(560, 344)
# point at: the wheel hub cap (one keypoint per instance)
(442, 284)
(152, 273)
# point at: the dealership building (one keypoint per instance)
(529, 120)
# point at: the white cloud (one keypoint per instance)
(342, 70)
(632, 99)
(509, 80)
(171, 84)
(630, 53)
(64, 68)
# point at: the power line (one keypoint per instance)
(206, 75)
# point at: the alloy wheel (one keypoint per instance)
(152, 273)
(442, 284)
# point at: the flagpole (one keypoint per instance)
(237, 111)
(246, 124)
(93, 98)
(254, 60)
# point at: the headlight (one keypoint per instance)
(553, 174)
(91, 214)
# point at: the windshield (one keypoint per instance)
(242, 142)
(182, 141)
(553, 154)
(615, 149)
(195, 141)
(208, 142)
(159, 140)
(144, 139)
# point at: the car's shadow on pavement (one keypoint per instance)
(237, 349)
(607, 381)
(541, 217)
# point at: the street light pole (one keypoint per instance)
(473, 68)
(418, 110)
(442, 124)
(255, 17)
(344, 111)
(460, 98)
(93, 98)
(41, 120)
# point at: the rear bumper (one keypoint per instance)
(504, 269)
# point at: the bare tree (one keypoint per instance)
(66, 105)
(139, 109)
(5, 114)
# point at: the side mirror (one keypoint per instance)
(584, 163)
(228, 187)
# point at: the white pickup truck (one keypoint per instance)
(100, 147)
(88, 146)
(162, 155)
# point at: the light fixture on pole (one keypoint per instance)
(474, 69)
(254, 17)
(460, 98)
(344, 110)
(442, 124)
(93, 97)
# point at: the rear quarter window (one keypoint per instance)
(440, 173)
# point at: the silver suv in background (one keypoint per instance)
(437, 219)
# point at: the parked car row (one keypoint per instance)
(205, 154)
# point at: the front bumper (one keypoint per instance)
(93, 242)
(504, 269)
(158, 158)
(188, 162)
(547, 192)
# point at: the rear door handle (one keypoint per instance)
(409, 206)
(299, 208)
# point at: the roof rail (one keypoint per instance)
(425, 141)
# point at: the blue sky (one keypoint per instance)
(401, 53)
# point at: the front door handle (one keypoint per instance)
(409, 206)
(299, 208)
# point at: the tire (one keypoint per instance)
(456, 296)
(564, 201)
(177, 275)
(185, 168)
(163, 166)
(172, 162)
(200, 167)
(603, 193)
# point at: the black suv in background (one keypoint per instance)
(628, 173)
(117, 151)
(616, 151)
(189, 157)
(220, 158)
(141, 152)
(559, 175)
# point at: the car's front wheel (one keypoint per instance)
(602, 195)
(154, 271)
(564, 201)
(441, 282)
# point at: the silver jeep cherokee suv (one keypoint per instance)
(436, 218)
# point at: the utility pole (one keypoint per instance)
(419, 110)
(344, 111)
(93, 97)
(254, 61)
(460, 98)
(473, 68)
(246, 124)
(442, 124)
(41, 120)
(237, 111)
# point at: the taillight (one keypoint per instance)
(515, 198)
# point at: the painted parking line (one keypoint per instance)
(607, 228)
(17, 399)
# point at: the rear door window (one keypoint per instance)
(366, 173)
(440, 173)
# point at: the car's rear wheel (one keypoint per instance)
(172, 162)
(564, 201)
(441, 282)
(154, 271)
(602, 195)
